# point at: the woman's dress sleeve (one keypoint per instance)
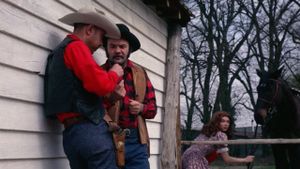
(221, 148)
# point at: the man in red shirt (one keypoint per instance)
(74, 84)
(131, 108)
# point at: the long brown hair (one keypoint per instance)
(212, 127)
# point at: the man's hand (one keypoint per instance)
(117, 94)
(120, 91)
(135, 107)
(118, 69)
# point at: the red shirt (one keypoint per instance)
(78, 58)
(126, 119)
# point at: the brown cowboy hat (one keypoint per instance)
(88, 15)
(130, 37)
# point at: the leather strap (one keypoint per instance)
(140, 84)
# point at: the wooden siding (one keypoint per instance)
(29, 29)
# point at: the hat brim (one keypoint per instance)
(111, 30)
(132, 39)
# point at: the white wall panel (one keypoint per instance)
(154, 161)
(21, 55)
(21, 85)
(25, 116)
(23, 25)
(56, 163)
(24, 145)
(154, 146)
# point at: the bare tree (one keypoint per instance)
(213, 41)
(273, 44)
(223, 45)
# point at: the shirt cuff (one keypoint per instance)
(144, 110)
(223, 150)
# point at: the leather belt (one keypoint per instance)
(130, 131)
(74, 120)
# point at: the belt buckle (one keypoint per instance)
(127, 131)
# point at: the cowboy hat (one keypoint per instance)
(88, 15)
(130, 37)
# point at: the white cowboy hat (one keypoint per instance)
(89, 15)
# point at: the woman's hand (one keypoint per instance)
(249, 159)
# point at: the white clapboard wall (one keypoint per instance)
(29, 29)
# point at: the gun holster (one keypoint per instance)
(119, 141)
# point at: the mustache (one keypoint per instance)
(113, 61)
(118, 56)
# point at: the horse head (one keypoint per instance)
(278, 109)
(268, 91)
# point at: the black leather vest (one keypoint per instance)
(64, 92)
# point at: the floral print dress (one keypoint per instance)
(194, 156)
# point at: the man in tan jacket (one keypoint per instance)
(139, 102)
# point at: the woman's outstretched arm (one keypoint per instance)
(230, 160)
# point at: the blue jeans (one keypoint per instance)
(136, 154)
(89, 146)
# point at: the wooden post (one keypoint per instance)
(169, 141)
(178, 136)
(246, 141)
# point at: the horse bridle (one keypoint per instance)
(272, 102)
(271, 109)
(270, 112)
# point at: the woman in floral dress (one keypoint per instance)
(218, 128)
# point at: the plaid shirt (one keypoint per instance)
(126, 119)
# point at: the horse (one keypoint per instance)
(278, 110)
